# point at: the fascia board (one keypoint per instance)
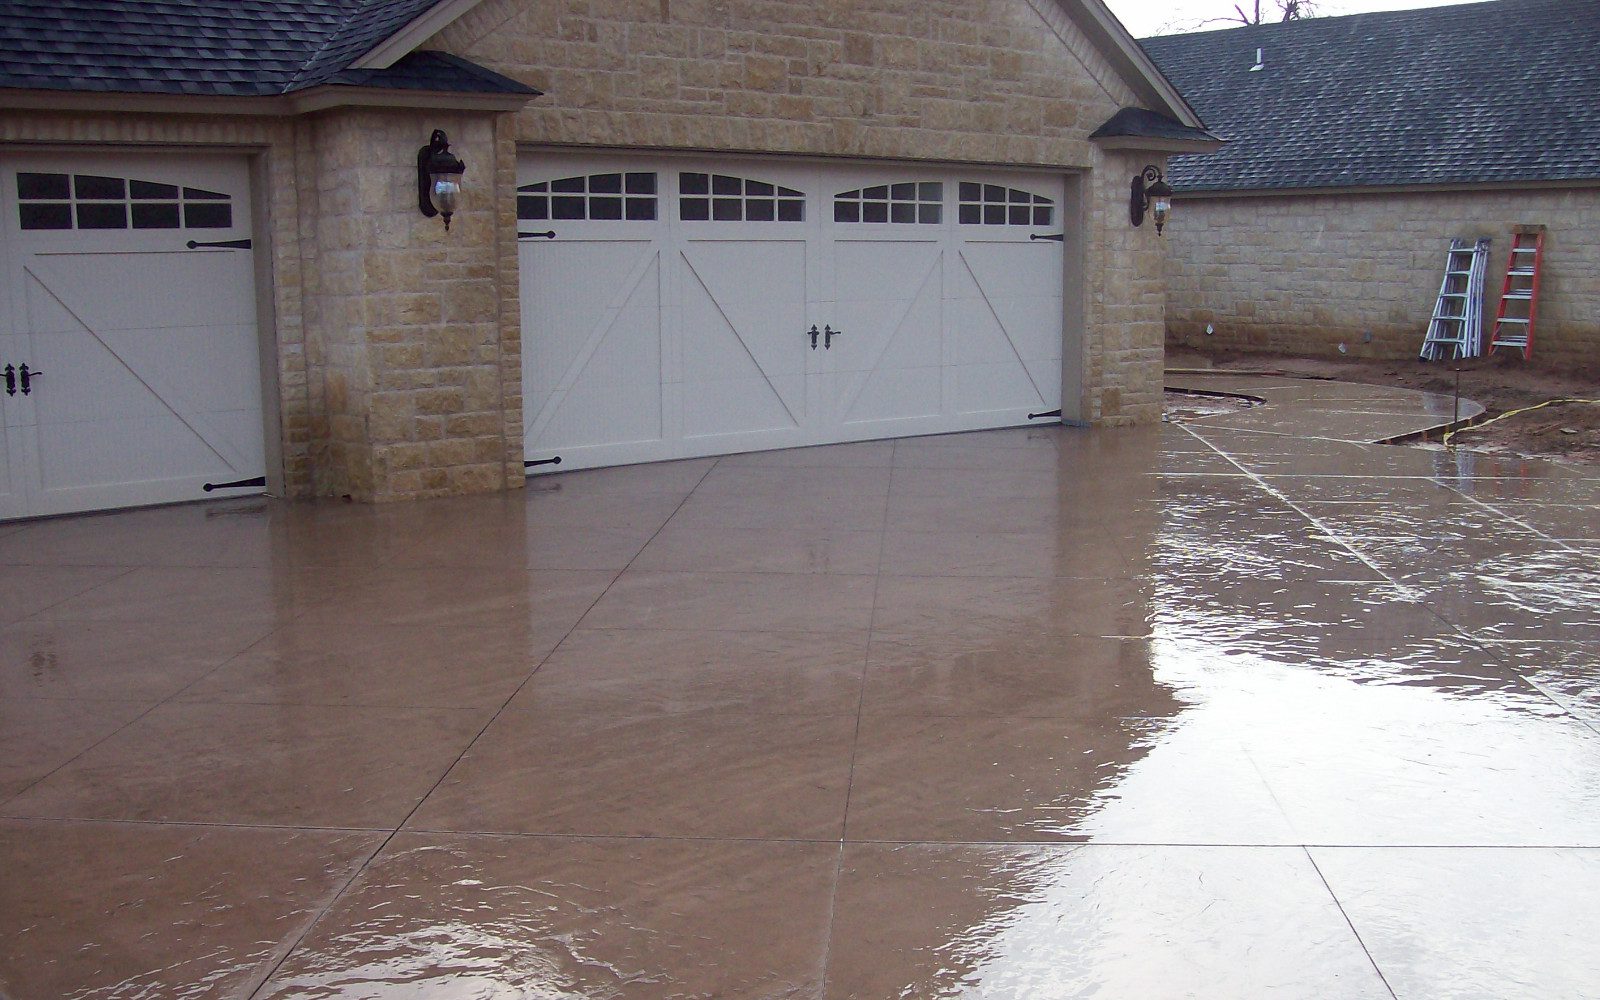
(1154, 145)
(338, 96)
(1376, 190)
(163, 104)
(403, 42)
(299, 103)
(1129, 58)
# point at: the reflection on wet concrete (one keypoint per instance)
(480, 917)
(1124, 921)
(1240, 707)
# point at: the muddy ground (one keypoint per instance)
(1567, 431)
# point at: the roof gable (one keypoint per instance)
(260, 48)
(1131, 62)
(364, 27)
(1481, 93)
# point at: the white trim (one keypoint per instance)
(403, 42)
(1156, 145)
(166, 104)
(337, 96)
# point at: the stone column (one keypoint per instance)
(1127, 296)
(412, 330)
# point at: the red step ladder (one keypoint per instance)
(1519, 297)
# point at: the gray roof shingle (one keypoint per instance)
(237, 48)
(1479, 93)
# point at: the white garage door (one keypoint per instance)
(128, 296)
(668, 306)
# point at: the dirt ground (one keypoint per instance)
(1567, 431)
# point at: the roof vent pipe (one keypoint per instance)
(1261, 63)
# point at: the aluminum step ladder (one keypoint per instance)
(1519, 296)
(1456, 330)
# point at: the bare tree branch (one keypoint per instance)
(1278, 10)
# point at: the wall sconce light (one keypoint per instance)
(438, 178)
(1157, 197)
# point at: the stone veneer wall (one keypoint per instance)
(1302, 274)
(993, 81)
(1009, 82)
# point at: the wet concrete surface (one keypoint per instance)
(1240, 707)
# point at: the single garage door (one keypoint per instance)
(128, 295)
(678, 307)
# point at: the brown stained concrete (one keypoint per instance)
(1233, 708)
(1319, 408)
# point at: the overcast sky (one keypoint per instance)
(1144, 17)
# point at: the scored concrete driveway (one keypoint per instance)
(1228, 709)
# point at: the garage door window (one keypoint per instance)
(994, 205)
(723, 198)
(601, 197)
(907, 202)
(92, 201)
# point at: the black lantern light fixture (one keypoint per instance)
(438, 178)
(1150, 191)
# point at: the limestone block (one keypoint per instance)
(858, 50)
(401, 456)
(428, 428)
(444, 400)
(482, 478)
(398, 355)
(391, 416)
(451, 451)
(765, 73)
(436, 481)
(479, 425)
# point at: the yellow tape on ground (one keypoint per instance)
(1512, 413)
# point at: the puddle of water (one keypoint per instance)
(1179, 406)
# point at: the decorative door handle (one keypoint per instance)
(828, 333)
(27, 378)
(813, 334)
(549, 234)
(11, 380)
(1057, 237)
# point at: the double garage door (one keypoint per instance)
(677, 307)
(129, 359)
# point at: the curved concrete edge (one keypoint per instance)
(1215, 394)
(1323, 408)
